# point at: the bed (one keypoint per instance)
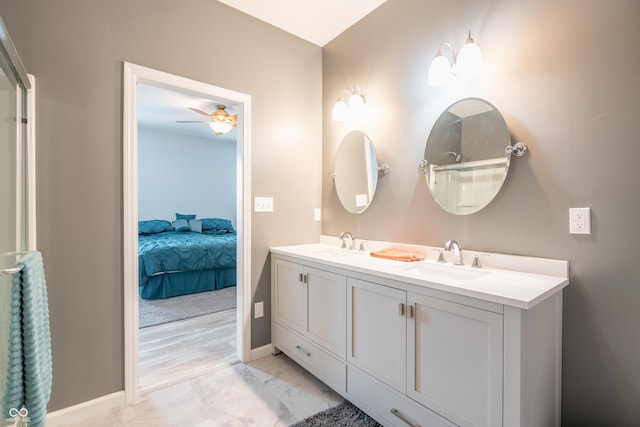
(185, 256)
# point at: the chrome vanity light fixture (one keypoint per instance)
(351, 109)
(466, 62)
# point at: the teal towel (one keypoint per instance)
(29, 372)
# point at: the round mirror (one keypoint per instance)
(465, 158)
(356, 172)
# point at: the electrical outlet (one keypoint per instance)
(316, 214)
(258, 310)
(263, 204)
(580, 221)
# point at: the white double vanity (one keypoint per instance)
(425, 343)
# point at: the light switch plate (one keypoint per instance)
(263, 204)
(259, 310)
(316, 214)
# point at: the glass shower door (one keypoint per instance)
(16, 156)
(9, 231)
(17, 232)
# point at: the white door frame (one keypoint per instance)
(134, 74)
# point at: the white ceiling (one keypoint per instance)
(317, 21)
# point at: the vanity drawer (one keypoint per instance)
(383, 399)
(318, 361)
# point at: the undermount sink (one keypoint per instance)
(443, 271)
(335, 252)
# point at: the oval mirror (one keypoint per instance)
(356, 172)
(465, 159)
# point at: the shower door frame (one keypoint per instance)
(25, 118)
(30, 173)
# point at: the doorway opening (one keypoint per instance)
(134, 75)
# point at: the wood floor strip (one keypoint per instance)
(174, 351)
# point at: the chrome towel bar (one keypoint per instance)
(13, 270)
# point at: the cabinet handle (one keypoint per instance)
(302, 350)
(410, 311)
(301, 278)
(397, 413)
(401, 309)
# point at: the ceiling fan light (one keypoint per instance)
(220, 127)
(222, 122)
(220, 113)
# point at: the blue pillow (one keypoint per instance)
(154, 226)
(185, 216)
(195, 225)
(181, 225)
(217, 225)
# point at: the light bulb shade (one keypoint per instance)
(469, 61)
(339, 111)
(356, 105)
(439, 71)
(220, 127)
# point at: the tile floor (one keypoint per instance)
(191, 377)
(273, 391)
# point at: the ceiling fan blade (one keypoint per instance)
(192, 121)
(200, 112)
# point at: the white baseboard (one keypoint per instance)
(260, 352)
(82, 411)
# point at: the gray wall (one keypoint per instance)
(564, 73)
(75, 48)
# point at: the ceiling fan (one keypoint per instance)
(221, 121)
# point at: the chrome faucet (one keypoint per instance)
(352, 245)
(457, 251)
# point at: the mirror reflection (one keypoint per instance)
(356, 172)
(465, 160)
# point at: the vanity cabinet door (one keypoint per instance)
(312, 302)
(376, 331)
(290, 299)
(326, 309)
(455, 355)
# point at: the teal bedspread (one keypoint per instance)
(172, 252)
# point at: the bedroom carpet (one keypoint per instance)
(159, 311)
(344, 415)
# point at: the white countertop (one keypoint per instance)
(519, 286)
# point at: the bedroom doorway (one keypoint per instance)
(134, 75)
